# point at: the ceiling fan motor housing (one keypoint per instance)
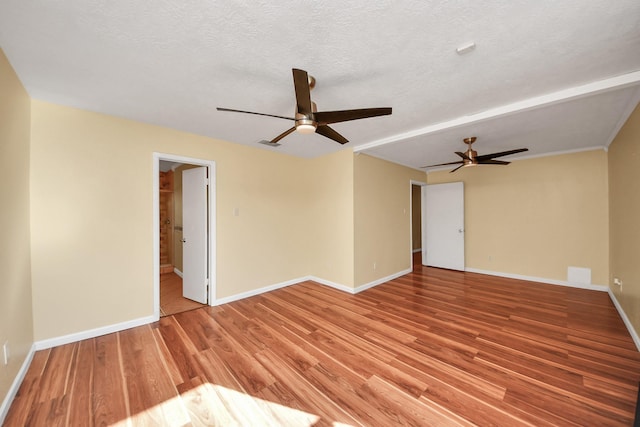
(471, 157)
(305, 124)
(470, 153)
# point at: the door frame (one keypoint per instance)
(211, 241)
(422, 206)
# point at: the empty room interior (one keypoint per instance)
(299, 213)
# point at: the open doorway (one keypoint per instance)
(184, 249)
(417, 226)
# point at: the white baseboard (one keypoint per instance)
(178, 272)
(331, 284)
(601, 288)
(255, 292)
(381, 280)
(15, 385)
(92, 333)
(325, 282)
(361, 287)
(625, 319)
(417, 250)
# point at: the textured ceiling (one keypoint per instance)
(551, 76)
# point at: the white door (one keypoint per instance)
(444, 218)
(194, 234)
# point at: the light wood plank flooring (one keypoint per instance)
(434, 347)
(171, 299)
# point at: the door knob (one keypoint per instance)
(460, 230)
(183, 240)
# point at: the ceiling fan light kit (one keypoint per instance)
(306, 128)
(470, 157)
(307, 119)
(305, 125)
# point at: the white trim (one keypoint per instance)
(338, 286)
(381, 281)
(601, 288)
(417, 250)
(211, 165)
(625, 319)
(561, 152)
(360, 288)
(92, 333)
(178, 272)
(259, 291)
(15, 385)
(553, 98)
(325, 282)
(156, 235)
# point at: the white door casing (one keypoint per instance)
(194, 234)
(423, 223)
(444, 218)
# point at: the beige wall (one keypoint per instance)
(624, 192)
(91, 208)
(16, 324)
(92, 190)
(328, 217)
(536, 217)
(382, 212)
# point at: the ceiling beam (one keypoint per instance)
(575, 92)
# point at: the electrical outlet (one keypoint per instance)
(5, 353)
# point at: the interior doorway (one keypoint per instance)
(169, 238)
(171, 299)
(417, 201)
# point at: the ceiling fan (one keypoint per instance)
(308, 120)
(471, 158)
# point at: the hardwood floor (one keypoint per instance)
(434, 347)
(171, 299)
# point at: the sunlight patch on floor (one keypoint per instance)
(214, 405)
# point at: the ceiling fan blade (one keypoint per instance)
(282, 135)
(500, 154)
(328, 117)
(456, 168)
(442, 164)
(492, 162)
(251, 112)
(303, 91)
(325, 130)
